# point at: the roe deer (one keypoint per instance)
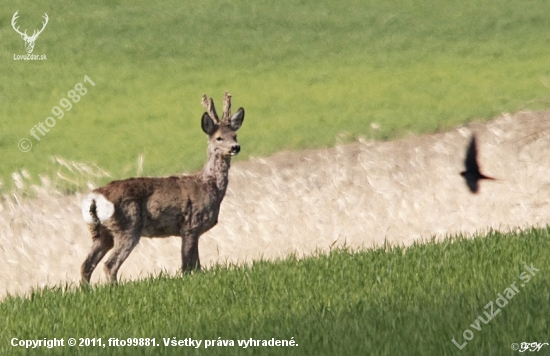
(121, 212)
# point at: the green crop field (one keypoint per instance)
(305, 72)
(393, 301)
(308, 74)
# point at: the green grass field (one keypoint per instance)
(304, 71)
(393, 301)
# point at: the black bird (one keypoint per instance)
(472, 175)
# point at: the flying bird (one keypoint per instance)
(472, 175)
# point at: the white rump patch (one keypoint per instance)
(104, 208)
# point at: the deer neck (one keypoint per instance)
(217, 170)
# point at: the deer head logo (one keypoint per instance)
(29, 40)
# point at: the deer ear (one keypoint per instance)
(208, 125)
(237, 120)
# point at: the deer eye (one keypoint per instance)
(219, 139)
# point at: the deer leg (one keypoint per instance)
(190, 253)
(123, 246)
(101, 245)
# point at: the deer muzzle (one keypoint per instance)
(235, 150)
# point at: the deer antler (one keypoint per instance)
(13, 19)
(226, 107)
(210, 108)
(43, 26)
(24, 34)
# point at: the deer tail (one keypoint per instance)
(96, 209)
(94, 226)
(93, 213)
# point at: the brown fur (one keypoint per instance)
(186, 206)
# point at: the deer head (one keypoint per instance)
(29, 40)
(222, 140)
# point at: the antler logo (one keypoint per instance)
(29, 40)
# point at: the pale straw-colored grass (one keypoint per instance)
(358, 195)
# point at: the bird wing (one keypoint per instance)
(471, 157)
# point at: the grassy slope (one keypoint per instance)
(305, 72)
(385, 302)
